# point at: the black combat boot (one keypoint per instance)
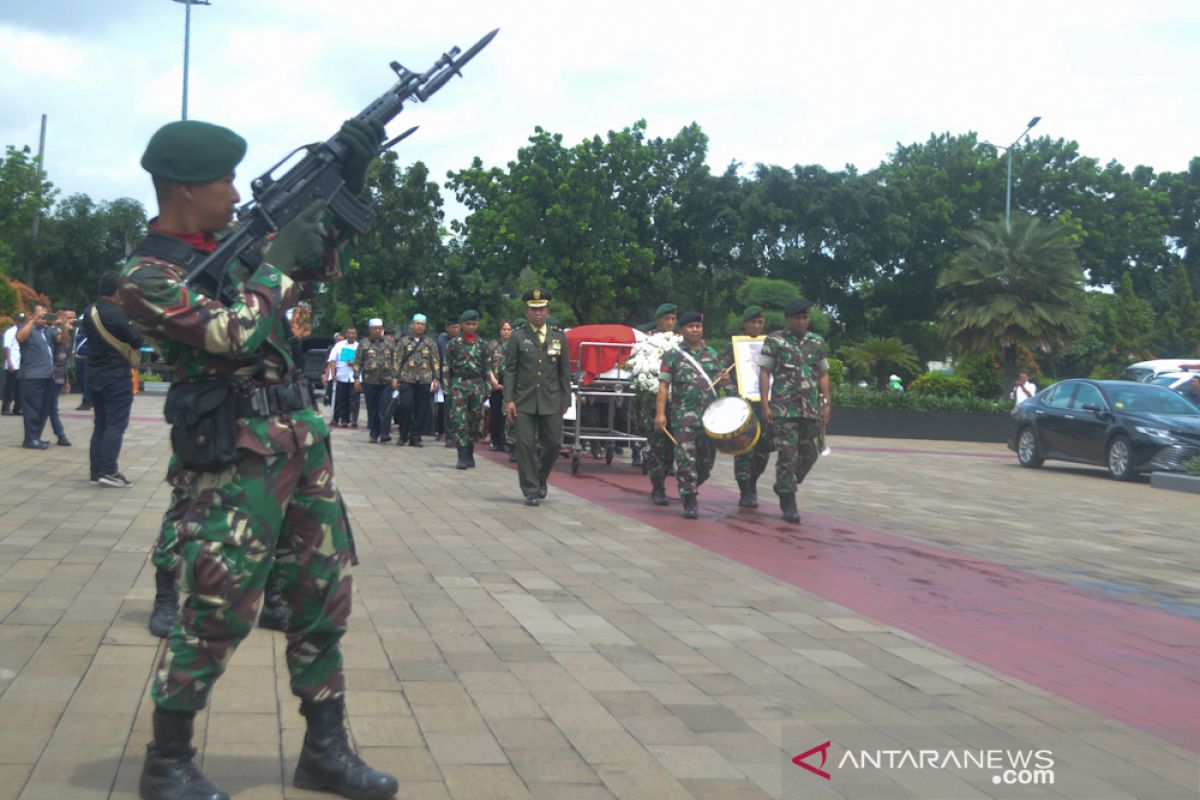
(787, 504)
(658, 491)
(635, 460)
(166, 603)
(462, 459)
(691, 508)
(749, 498)
(274, 614)
(169, 772)
(328, 764)
(471, 455)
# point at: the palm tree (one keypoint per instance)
(882, 355)
(1014, 286)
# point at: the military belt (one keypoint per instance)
(280, 398)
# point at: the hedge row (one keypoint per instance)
(852, 397)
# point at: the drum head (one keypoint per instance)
(726, 415)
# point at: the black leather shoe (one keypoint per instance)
(532, 500)
(691, 508)
(166, 604)
(542, 492)
(36, 444)
(414, 443)
(64, 441)
(658, 492)
(787, 504)
(169, 773)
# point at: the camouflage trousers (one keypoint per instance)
(657, 452)
(278, 513)
(694, 458)
(466, 410)
(797, 446)
(750, 466)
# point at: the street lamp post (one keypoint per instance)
(1008, 191)
(187, 37)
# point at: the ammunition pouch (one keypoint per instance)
(203, 418)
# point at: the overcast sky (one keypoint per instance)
(775, 82)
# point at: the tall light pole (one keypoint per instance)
(1008, 192)
(187, 40)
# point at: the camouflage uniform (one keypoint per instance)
(375, 367)
(690, 396)
(466, 365)
(657, 453)
(497, 351)
(276, 507)
(796, 365)
(749, 466)
(418, 365)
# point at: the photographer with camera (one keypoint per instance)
(37, 338)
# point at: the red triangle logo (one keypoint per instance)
(823, 750)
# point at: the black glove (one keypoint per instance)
(301, 243)
(361, 140)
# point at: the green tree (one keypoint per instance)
(25, 194)
(1177, 333)
(881, 356)
(1014, 286)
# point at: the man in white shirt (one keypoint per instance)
(1024, 389)
(341, 370)
(12, 362)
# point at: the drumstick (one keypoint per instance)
(669, 436)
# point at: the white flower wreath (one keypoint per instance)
(646, 360)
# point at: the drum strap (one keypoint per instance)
(712, 387)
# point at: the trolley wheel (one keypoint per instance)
(574, 464)
(609, 452)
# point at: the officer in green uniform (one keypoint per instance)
(797, 406)
(251, 470)
(375, 377)
(537, 392)
(420, 370)
(687, 383)
(749, 466)
(657, 454)
(466, 367)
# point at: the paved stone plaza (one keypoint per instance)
(938, 601)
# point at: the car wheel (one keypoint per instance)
(1027, 450)
(1120, 458)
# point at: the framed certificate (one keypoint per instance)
(745, 362)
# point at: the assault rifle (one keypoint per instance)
(277, 201)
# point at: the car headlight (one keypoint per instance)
(1160, 434)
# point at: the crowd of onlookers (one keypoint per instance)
(41, 351)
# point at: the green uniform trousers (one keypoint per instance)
(281, 511)
(750, 466)
(538, 438)
(797, 446)
(694, 458)
(466, 410)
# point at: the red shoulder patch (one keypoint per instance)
(182, 304)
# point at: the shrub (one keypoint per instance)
(1192, 467)
(851, 397)
(837, 372)
(941, 384)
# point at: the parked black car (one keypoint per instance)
(1127, 427)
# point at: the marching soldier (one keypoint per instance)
(749, 466)
(375, 377)
(689, 377)
(419, 365)
(499, 433)
(466, 368)
(537, 391)
(797, 406)
(656, 455)
(251, 469)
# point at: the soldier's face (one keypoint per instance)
(215, 202)
(470, 327)
(537, 316)
(375, 332)
(452, 329)
(666, 323)
(505, 332)
(693, 332)
(418, 329)
(754, 327)
(798, 323)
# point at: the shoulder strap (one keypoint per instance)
(168, 248)
(131, 355)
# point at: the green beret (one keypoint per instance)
(469, 315)
(688, 317)
(798, 306)
(190, 151)
(536, 298)
(752, 312)
(666, 308)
